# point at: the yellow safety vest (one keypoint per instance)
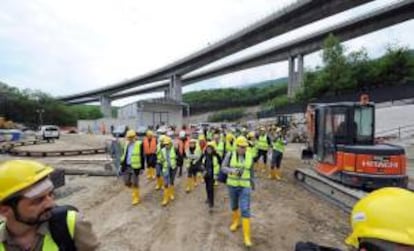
(164, 162)
(278, 145)
(252, 149)
(230, 147)
(262, 143)
(216, 166)
(220, 148)
(136, 155)
(245, 179)
(48, 242)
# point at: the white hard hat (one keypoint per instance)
(182, 134)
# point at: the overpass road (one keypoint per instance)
(298, 14)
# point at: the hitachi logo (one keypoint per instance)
(379, 164)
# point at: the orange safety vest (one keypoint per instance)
(183, 147)
(150, 146)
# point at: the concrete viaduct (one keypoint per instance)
(257, 33)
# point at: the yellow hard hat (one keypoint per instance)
(251, 135)
(201, 137)
(16, 175)
(262, 128)
(149, 133)
(242, 141)
(166, 140)
(130, 134)
(193, 141)
(212, 144)
(229, 136)
(385, 214)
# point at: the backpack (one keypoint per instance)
(59, 228)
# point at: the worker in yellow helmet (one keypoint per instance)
(202, 144)
(191, 162)
(210, 165)
(168, 160)
(132, 164)
(238, 166)
(381, 221)
(278, 147)
(158, 165)
(263, 144)
(150, 150)
(33, 221)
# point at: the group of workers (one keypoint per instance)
(209, 157)
(381, 221)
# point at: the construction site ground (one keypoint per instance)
(282, 211)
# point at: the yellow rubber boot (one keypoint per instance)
(235, 220)
(153, 173)
(278, 174)
(166, 196)
(172, 193)
(158, 184)
(149, 173)
(188, 186)
(271, 174)
(246, 232)
(135, 195)
(195, 181)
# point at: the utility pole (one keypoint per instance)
(40, 112)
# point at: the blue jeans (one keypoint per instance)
(240, 198)
(169, 177)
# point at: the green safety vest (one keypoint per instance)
(136, 155)
(216, 166)
(209, 135)
(197, 154)
(230, 147)
(220, 148)
(48, 242)
(262, 144)
(164, 161)
(252, 149)
(278, 145)
(245, 179)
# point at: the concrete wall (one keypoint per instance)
(136, 115)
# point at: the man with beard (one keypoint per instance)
(32, 219)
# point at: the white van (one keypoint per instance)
(48, 132)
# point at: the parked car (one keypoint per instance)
(48, 132)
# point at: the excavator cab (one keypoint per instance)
(342, 142)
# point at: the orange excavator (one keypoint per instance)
(342, 145)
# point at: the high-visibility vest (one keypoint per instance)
(278, 145)
(220, 148)
(164, 162)
(150, 145)
(216, 166)
(230, 147)
(245, 179)
(262, 143)
(192, 157)
(136, 155)
(48, 242)
(252, 149)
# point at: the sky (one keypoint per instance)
(69, 46)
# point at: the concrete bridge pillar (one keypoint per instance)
(176, 90)
(167, 93)
(295, 79)
(106, 106)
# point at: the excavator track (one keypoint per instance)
(343, 197)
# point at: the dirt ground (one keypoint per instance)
(282, 212)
